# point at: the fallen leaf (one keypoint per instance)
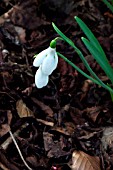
(107, 138)
(21, 33)
(5, 125)
(32, 160)
(93, 112)
(5, 128)
(9, 116)
(68, 128)
(83, 161)
(23, 110)
(46, 109)
(85, 88)
(54, 148)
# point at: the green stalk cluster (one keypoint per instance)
(96, 51)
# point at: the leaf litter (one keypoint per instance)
(69, 120)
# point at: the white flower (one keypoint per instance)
(47, 62)
(41, 79)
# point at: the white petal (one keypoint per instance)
(50, 63)
(41, 79)
(40, 57)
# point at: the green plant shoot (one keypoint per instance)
(96, 51)
(110, 6)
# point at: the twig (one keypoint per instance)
(3, 167)
(45, 122)
(5, 144)
(25, 163)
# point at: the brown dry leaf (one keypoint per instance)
(83, 161)
(22, 15)
(63, 67)
(93, 112)
(107, 138)
(76, 115)
(23, 110)
(54, 148)
(5, 128)
(85, 88)
(46, 109)
(21, 33)
(32, 160)
(9, 116)
(67, 130)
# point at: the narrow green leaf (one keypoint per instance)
(91, 37)
(78, 52)
(96, 54)
(111, 94)
(84, 74)
(62, 35)
(112, 2)
(108, 4)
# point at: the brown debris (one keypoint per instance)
(70, 113)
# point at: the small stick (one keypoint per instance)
(45, 122)
(9, 139)
(3, 167)
(19, 151)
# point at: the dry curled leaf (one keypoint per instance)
(83, 161)
(5, 128)
(107, 138)
(5, 125)
(46, 109)
(23, 110)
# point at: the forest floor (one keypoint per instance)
(67, 124)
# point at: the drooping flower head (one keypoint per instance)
(47, 61)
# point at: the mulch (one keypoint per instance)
(70, 113)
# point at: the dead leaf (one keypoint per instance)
(9, 116)
(21, 33)
(107, 138)
(32, 160)
(85, 88)
(76, 115)
(68, 128)
(23, 12)
(93, 112)
(83, 161)
(5, 128)
(23, 110)
(54, 148)
(47, 110)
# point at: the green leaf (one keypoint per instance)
(108, 5)
(96, 54)
(78, 52)
(91, 37)
(62, 35)
(84, 74)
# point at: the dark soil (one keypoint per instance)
(70, 113)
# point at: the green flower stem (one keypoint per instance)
(65, 38)
(87, 76)
(54, 41)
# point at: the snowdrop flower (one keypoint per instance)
(47, 61)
